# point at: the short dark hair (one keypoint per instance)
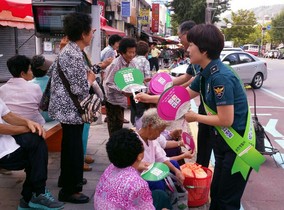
(186, 26)
(125, 43)
(17, 64)
(142, 48)
(75, 24)
(123, 147)
(113, 39)
(207, 37)
(36, 62)
(154, 43)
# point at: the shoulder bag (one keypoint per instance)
(44, 102)
(89, 107)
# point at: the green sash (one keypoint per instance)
(244, 147)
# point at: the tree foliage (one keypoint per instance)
(195, 10)
(277, 29)
(243, 28)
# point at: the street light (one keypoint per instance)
(229, 25)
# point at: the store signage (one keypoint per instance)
(155, 17)
(125, 9)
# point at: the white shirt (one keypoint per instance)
(22, 98)
(153, 152)
(162, 141)
(7, 143)
(108, 52)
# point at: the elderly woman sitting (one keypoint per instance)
(121, 186)
(152, 127)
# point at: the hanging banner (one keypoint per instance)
(168, 19)
(133, 17)
(144, 16)
(102, 8)
(155, 17)
(125, 9)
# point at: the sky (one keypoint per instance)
(248, 4)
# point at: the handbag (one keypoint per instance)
(89, 107)
(177, 193)
(44, 102)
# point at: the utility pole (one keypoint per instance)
(208, 11)
(261, 40)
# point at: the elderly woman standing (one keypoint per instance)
(77, 27)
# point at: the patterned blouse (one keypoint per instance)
(122, 189)
(112, 92)
(143, 64)
(74, 67)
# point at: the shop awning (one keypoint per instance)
(110, 30)
(18, 13)
(163, 40)
(7, 19)
(18, 8)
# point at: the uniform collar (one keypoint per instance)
(211, 68)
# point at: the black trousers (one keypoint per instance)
(137, 109)
(72, 158)
(205, 138)
(226, 189)
(115, 117)
(154, 61)
(31, 156)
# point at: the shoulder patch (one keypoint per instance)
(219, 91)
(214, 69)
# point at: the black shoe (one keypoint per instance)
(74, 198)
(59, 184)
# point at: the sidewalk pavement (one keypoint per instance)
(264, 190)
(11, 185)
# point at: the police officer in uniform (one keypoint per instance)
(227, 110)
(222, 91)
(204, 139)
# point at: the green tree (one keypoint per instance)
(242, 28)
(195, 10)
(277, 29)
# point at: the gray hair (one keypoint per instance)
(151, 117)
(186, 26)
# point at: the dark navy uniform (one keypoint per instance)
(219, 86)
(204, 139)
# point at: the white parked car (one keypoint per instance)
(251, 70)
(179, 70)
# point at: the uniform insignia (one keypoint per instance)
(214, 69)
(219, 91)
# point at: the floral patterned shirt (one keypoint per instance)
(74, 67)
(143, 64)
(122, 189)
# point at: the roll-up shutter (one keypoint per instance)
(8, 47)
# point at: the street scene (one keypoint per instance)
(141, 104)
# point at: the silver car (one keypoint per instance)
(250, 69)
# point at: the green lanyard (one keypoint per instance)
(244, 147)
